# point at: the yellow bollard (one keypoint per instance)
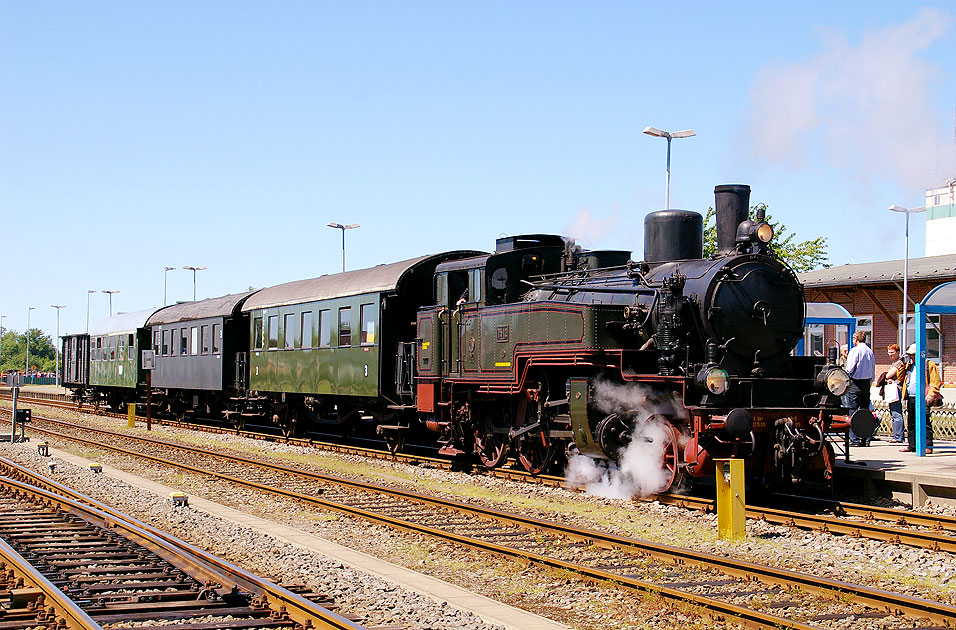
(731, 503)
(131, 415)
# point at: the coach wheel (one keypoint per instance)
(535, 452)
(492, 447)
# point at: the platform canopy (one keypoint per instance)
(827, 313)
(940, 300)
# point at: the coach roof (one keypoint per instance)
(223, 306)
(380, 278)
(123, 322)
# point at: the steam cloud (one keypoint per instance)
(869, 102)
(587, 228)
(640, 471)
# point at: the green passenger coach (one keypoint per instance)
(115, 368)
(336, 348)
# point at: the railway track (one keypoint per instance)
(81, 565)
(905, 527)
(757, 595)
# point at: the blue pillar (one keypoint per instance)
(919, 371)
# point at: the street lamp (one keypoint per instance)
(194, 270)
(654, 131)
(111, 298)
(906, 261)
(88, 292)
(27, 373)
(166, 271)
(58, 307)
(339, 226)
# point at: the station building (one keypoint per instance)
(872, 292)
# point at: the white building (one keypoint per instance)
(941, 219)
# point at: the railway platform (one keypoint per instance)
(881, 470)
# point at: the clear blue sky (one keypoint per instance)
(139, 135)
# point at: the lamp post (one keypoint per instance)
(27, 372)
(906, 262)
(166, 271)
(88, 293)
(194, 270)
(660, 133)
(111, 298)
(58, 307)
(339, 226)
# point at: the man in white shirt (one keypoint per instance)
(861, 367)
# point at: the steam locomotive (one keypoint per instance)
(540, 350)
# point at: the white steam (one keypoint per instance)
(863, 107)
(588, 228)
(640, 471)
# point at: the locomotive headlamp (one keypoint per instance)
(765, 232)
(715, 380)
(835, 379)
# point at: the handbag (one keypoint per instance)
(891, 392)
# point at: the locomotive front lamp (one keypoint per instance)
(715, 380)
(765, 232)
(835, 380)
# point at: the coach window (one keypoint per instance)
(288, 330)
(183, 342)
(112, 344)
(156, 334)
(165, 343)
(194, 347)
(120, 349)
(204, 337)
(306, 329)
(367, 313)
(273, 331)
(475, 286)
(325, 328)
(345, 326)
(258, 333)
(216, 338)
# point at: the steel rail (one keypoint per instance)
(205, 567)
(884, 600)
(65, 608)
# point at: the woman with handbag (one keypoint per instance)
(931, 398)
(891, 392)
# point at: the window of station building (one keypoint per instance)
(934, 338)
(325, 328)
(194, 347)
(165, 351)
(306, 329)
(258, 333)
(367, 314)
(183, 342)
(204, 338)
(288, 330)
(273, 331)
(345, 326)
(814, 340)
(216, 338)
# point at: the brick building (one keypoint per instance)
(872, 293)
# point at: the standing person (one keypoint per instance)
(861, 367)
(933, 383)
(891, 392)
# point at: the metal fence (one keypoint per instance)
(944, 421)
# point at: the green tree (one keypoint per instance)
(13, 354)
(800, 255)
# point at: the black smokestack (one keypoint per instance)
(732, 206)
